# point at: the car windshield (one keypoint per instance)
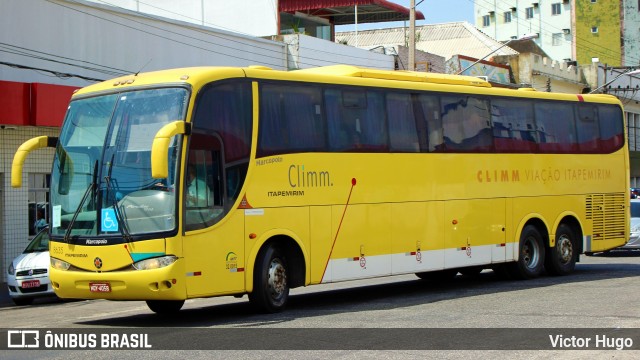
(635, 209)
(39, 243)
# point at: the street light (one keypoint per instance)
(523, 37)
(630, 72)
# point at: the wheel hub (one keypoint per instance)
(564, 249)
(530, 253)
(277, 278)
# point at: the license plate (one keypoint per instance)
(30, 284)
(99, 287)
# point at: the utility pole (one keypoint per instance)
(412, 36)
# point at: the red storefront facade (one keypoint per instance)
(33, 104)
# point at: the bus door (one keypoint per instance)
(213, 241)
(474, 232)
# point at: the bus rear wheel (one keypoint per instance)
(270, 287)
(165, 306)
(562, 258)
(530, 261)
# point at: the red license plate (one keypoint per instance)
(100, 287)
(29, 284)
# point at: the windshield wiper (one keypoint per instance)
(119, 216)
(90, 190)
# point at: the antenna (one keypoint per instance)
(143, 66)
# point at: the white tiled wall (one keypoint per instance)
(14, 219)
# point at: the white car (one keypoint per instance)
(28, 274)
(634, 236)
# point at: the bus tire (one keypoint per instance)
(561, 259)
(165, 306)
(530, 261)
(270, 287)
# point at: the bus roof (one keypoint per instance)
(399, 75)
(340, 74)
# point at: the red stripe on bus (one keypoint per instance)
(346, 205)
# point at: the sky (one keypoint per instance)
(434, 11)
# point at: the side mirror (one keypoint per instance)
(21, 155)
(160, 147)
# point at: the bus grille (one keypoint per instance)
(607, 214)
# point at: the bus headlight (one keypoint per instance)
(59, 264)
(155, 263)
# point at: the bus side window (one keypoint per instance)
(611, 128)
(432, 124)
(403, 134)
(513, 125)
(588, 128)
(467, 124)
(355, 120)
(555, 136)
(290, 119)
(202, 193)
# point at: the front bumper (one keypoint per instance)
(167, 283)
(16, 290)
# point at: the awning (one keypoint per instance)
(342, 12)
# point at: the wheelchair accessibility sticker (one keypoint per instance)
(109, 221)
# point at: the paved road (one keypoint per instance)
(602, 293)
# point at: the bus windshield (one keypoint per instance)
(101, 181)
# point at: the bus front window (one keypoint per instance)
(101, 181)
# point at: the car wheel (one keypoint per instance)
(22, 301)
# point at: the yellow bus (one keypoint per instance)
(211, 181)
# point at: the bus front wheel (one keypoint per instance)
(165, 306)
(531, 255)
(561, 259)
(270, 287)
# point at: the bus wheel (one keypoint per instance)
(531, 257)
(165, 306)
(270, 287)
(561, 259)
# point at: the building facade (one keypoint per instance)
(574, 31)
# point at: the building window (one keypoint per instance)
(486, 20)
(529, 12)
(556, 39)
(594, 29)
(556, 9)
(38, 200)
(507, 16)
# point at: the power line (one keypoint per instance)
(21, 51)
(56, 73)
